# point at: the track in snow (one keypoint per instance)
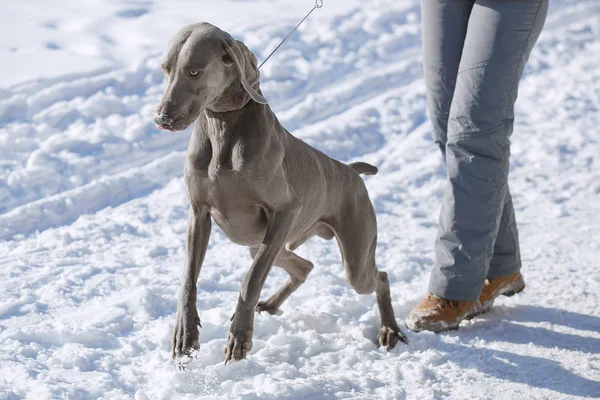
(93, 216)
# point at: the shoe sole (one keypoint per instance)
(435, 328)
(518, 288)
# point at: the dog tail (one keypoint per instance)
(364, 168)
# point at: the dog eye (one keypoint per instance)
(194, 72)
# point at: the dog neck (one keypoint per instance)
(228, 140)
(225, 135)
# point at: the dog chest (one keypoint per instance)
(214, 155)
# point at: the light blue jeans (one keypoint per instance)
(474, 55)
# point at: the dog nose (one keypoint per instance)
(163, 120)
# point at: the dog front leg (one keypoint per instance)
(185, 336)
(239, 340)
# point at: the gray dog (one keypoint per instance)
(265, 188)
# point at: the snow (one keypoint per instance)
(93, 210)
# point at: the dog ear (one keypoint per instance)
(246, 65)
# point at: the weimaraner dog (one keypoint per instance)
(265, 188)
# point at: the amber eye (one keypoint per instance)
(194, 72)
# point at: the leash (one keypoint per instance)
(318, 4)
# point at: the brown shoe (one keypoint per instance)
(506, 286)
(437, 315)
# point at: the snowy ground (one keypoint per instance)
(93, 212)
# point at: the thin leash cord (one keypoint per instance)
(318, 4)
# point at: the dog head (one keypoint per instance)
(205, 69)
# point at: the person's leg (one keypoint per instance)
(444, 26)
(500, 36)
(506, 259)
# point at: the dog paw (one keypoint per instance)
(185, 337)
(389, 337)
(181, 362)
(239, 342)
(268, 307)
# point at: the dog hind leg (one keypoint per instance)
(357, 238)
(298, 269)
(390, 332)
